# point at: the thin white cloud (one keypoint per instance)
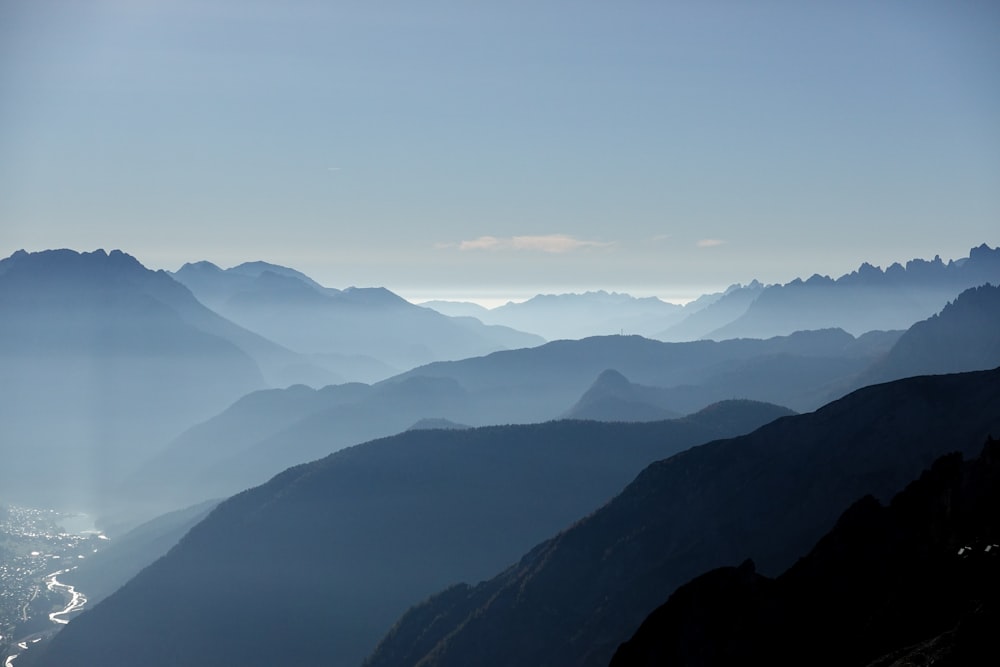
(551, 243)
(482, 243)
(710, 243)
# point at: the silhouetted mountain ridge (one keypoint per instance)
(311, 567)
(539, 383)
(963, 336)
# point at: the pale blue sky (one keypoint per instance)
(503, 148)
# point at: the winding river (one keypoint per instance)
(76, 602)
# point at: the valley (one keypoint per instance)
(37, 549)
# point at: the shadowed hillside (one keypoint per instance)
(768, 496)
(916, 580)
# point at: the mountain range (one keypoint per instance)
(266, 432)
(612, 378)
(540, 383)
(768, 496)
(127, 358)
(864, 300)
(127, 391)
(132, 358)
(571, 316)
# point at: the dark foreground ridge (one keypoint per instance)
(914, 582)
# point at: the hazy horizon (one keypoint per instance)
(508, 149)
(493, 296)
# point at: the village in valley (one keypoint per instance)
(36, 545)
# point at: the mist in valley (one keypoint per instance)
(570, 334)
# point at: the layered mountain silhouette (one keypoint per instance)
(266, 432)
(865, 300)
(312, 567)
(101, 361)
(270, 431)
(182, 472)
(113, 372)
(769, 496)
(571, 316)
(731, 305)
(868, 299)
(541, 383)
(916, 581)
(362, 332)
(613, 398)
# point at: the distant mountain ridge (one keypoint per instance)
(864, 300)
(540, 383)
(562, 316)
(730, 305)
(867, 299)
(580, 315)
(342, 328)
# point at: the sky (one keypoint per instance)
(492, 150)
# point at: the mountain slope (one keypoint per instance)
(313, 566)
(126, 555)
(181, 473)
(699, 324)
(963, 336)
(768, 495)
(923, 570)
(613, 398)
